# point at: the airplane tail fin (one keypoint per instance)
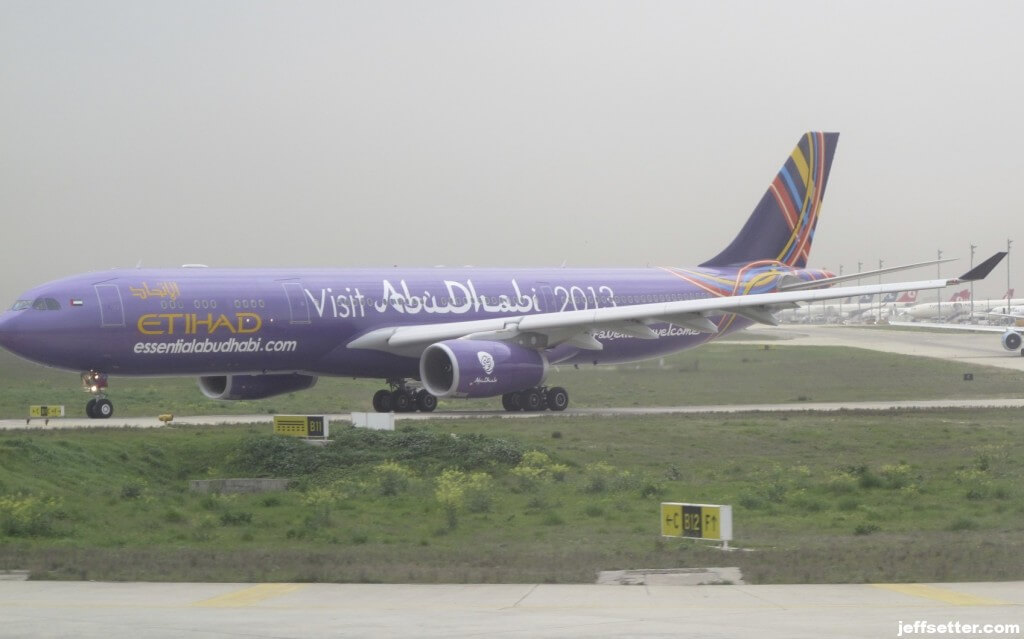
(782, 225)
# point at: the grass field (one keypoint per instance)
(845, 497)
(719, 373)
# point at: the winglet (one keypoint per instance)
(982, 270)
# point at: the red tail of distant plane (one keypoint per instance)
(961, 296)
(908, 297)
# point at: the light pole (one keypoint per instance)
(938, 292)
(840, 299)
(973, 246)
(859, 265)
(1008, 294)
(878, 319)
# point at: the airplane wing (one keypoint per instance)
(577, 327)
(836, 279)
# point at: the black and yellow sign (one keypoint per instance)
(46, 411)
(300, 425)
(701, 521)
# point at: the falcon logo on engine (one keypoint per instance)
(487, 361)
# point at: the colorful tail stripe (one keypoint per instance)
(781, 228)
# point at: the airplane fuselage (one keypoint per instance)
(199, 321)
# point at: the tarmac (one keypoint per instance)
(280, 610)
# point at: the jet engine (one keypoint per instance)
(253, 386)
(476, 368)
(1011, 340)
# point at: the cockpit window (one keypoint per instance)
(21, 305)
(43, 304)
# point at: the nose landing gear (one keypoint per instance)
(99, 407)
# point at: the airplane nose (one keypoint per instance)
(5, 329)
(10, 334)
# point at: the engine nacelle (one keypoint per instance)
(474, 368)
(1012, 340)
(253, 386)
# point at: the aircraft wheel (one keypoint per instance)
(531, 400)
(510, 402)
(382, 401)
(90, 408)
(104, 408)
(425, 402)
(402, 401)
(558, 399)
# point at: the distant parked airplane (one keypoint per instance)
(958, 303)
(853, 308)
(254, 333)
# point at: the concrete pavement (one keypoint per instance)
(123, 610)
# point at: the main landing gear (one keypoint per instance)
(403, 398)
(99, 407)
(536, 399)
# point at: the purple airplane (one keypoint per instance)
(430, 333)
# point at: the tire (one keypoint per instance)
(425, 402)
(531, 400)
(402, 401)
(104, 408)
(382, 401)
(510, 402)
(90, 408)
(558, 399)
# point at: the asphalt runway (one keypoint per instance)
(280, 610)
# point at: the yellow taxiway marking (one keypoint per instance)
(247, 596)
(942, 594)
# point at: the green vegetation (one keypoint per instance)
(844, 497)
(729, 372)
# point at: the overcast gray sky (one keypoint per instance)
(498, 134)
